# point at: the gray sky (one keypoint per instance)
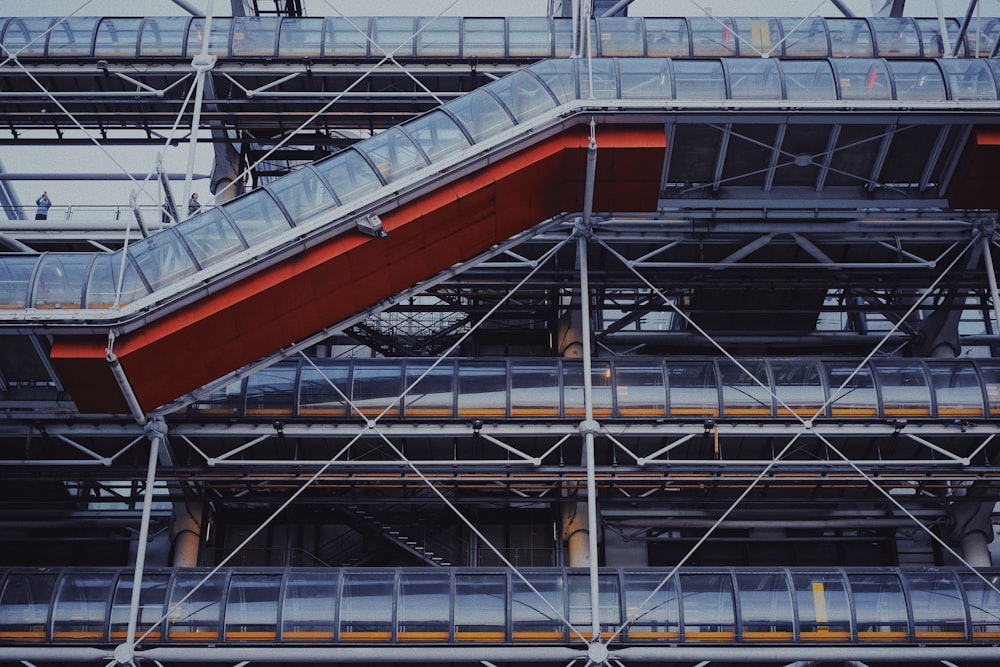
(41, 159)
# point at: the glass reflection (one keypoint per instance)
(523, 94)
(24, 606)
(162, 258)
(957, 389)
(152, 594)
(430, 390)
(480, 607)
(823, 608)
(863, 80)
(437, 135)
(394, 154)
(303, 193)
(709, 614)
(969, 79)
(712, 37)
(252, 607)
(480, 114)
(271, 391)
(651, 606)
(645, 79)
(257, 217)
(422, 610)
(667, 37)
(80, 606)
(534, 389)
(26, 36)
(918, 80)
(620, 36)
(15, 279)
(211, 237)
(102, 286)
(936, 602)
(348, 174)
(71, 37)
(879, 607)
(300, 37)
(536, 616)
(254, 36)
(529, 37)
(805, 37)
(850, 38)
(484, 37)
(323, 388)
(366, 606)
(482, 389)
(896, 37)
(163, 35)
(346, 36)
(904, 390)
(439, 36)
(196, 607)
(754, 79)
(218, 43)
(59, 280)
(765, 606)
(307, 611)
(693, 390)
(699, 80)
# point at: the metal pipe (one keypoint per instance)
(156, 430)
(964, 28)
(589, 428)
(129, 395)
(189, 8)
(15, 245)
(992, 278)
(620, 5)
(201, 64)
(839, 4)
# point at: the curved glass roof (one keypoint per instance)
(310, 197)
(524, 37)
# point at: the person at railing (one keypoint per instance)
(43, 203)
(193, 205)
(166, 215)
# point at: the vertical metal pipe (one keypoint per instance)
(156, 431)
(589, 428)
(992, 276)
(201, 63)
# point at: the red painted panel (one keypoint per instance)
(328, 282)
(973, 185)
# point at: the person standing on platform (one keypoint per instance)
(166, 216)
(194, 205)
(43, 203)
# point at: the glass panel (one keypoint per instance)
(15, 280)
(534, 388)
(600, 81)
(346, 36)
(24, 606)
(103, 284)
(931, 41)
(317, 398)
(850, 38)
(798, 386)
(852, 394)
(218, 43)
(982, 37)
(879, 607)
(348, 174)
(808, 80)
(257, 217)
(983, 605)
(480, 607)
(708, 607)
(163, 36)
(956, 388)
(990, 372)
(823, 607)
(72, 37)
(562, 36)
(699, 80)
(742, 393)
(309, 604)
(600, 380)
(482, 389)
(651, 608)
(904, 389)
(439, 36)
(938, 610)
(712, 37)
(302, 193)
(26, 36)
(765, 606)
(81, 605)
(394, 154)
(529, 37)
(252, 607)
(969, 79)
(197, 617)
(863, 80)
(152, 593)
(667, 37)
(254, 36)
(434, 394)
(693, 390)
(222, 402)
(805, 37)
(271, 391)
(211, 237)
(535, 618)
(366, 606)
(162, 258)
(300, 37)
(619, 36)
(481, 114)
(640, 389)
(392, 35)
(484, 37)
(376, 387)
(559, 76)
(756, 79)
(117, 37)
(437, 134)
(423, 610)
(523, 94)
(918, 80)
(759, 36)
(580, 607)
(645, 79)
(896, 37)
